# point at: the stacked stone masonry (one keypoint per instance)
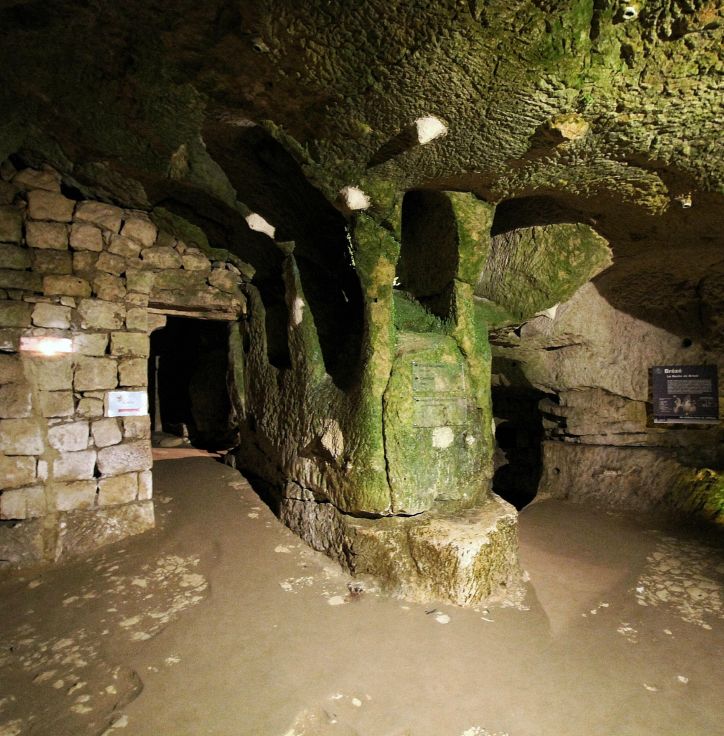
(88, 272)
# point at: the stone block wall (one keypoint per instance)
(71, 476)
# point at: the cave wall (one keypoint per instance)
(71, 477)
(593, 360)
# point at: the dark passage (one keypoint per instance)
(518, 435)
(189, 366)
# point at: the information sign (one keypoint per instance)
(685, 393)
(127, 404)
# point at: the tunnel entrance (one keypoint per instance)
(518, 435)
(188, 388)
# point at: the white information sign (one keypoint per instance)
(127, 404)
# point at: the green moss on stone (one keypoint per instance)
(411, 316)
(700, 494)
(493, 314)
(473, 219)
(471, 334)
(532, 269)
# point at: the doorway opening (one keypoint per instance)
(188, 385)
(518, 437)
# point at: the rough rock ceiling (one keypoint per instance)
(610, 112)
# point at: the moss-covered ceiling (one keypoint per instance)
(610, 111)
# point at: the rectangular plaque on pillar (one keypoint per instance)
(686, 394)
(439, 395)
(126, 404)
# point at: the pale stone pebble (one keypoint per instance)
(12, 728)
(44, 676)
(119, 723)
(676, 576)
(629, 632)
(283, 549)
(336, 600)
(192, 580)
(442, 618)
(651, 688)
(682, 679)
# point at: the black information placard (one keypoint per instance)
(686, 393)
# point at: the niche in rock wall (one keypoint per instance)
(188, 370)
(276, 319)
(518, 456)
(429, 251)
(268, 179)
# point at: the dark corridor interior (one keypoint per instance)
(518, 435)
(188, 370)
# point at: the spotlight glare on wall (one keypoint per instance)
(46, 345)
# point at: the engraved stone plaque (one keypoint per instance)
(439, 395)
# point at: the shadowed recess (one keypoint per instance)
(269, 181)
(429, 253)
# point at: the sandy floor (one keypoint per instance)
(222, 622)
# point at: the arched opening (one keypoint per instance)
(429, 251)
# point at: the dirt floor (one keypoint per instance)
(222, 622)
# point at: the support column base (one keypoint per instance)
(465, 558)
